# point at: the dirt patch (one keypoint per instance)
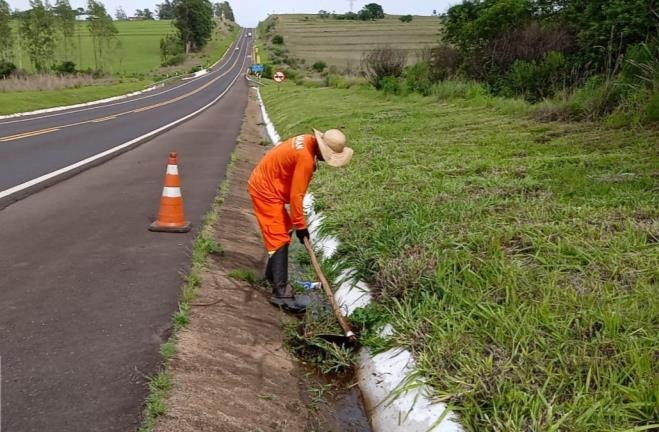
(231, 371)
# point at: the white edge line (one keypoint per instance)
(45, 177)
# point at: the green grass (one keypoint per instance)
(517, 260)
(341, 43)
(33, 100)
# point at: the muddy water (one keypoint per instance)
(335, 403)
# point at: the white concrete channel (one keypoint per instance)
(397, 398)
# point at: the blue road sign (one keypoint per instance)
(256, 68)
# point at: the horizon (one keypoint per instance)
(249, 13)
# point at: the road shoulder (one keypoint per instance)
(231, 371)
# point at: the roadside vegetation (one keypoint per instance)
(517, 260)
(507, 220)
(53, 47)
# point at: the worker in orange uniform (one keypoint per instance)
(281, 178)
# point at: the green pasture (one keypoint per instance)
(518, 261)
(137, 50)
(341, 43)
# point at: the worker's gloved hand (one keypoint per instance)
(301, 234)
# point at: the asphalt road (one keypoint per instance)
(86, 291)
(33, 146)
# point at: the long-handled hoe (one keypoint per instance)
(348, 333)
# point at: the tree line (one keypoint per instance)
(370, 12)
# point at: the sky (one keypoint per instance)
(249, 12)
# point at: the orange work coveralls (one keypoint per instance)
(282, 177)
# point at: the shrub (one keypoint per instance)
(6, 68)
(170, 46)
(444, 61)
(599, 96)
(418, 78)
(66, 67)
(319, 66)
(383, 62)
(651, 111)
(406, 18)
(267, 71)
(535, 80)
(278, 39)
(174, 60)
(390, 85)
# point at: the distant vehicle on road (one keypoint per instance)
(249, 34)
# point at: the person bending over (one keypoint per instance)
(282, 177)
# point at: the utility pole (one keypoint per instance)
(352, 4)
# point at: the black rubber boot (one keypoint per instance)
(282, 293)
(268, 272)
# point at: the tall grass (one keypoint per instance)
(45, 82)
(517, 260)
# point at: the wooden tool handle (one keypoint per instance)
(328, 290)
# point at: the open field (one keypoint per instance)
(138, 49)
(341, 43)
(517, 260)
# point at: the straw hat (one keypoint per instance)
(332, 145)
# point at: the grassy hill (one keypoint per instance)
(341, 43)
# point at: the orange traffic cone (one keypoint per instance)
(171, 217)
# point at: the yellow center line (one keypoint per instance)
(28, 134)
(102, 119)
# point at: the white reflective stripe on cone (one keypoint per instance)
(172, 169)
(171, 192)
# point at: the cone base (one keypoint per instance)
(157, 227)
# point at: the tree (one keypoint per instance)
(37, 30)
(165, 10)
(323, 14)
(406, 18)
(194, 21)
(223, 10)
(120, 14)
(65, 20)
(147, 14)
(102, 31)
(371, 11)
(6, 36)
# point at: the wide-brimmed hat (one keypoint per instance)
(332, 146)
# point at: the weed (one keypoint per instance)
(245, 275)
(168, 349)
(159, 386)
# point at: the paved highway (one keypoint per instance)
(86, 291)
(37, 145)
